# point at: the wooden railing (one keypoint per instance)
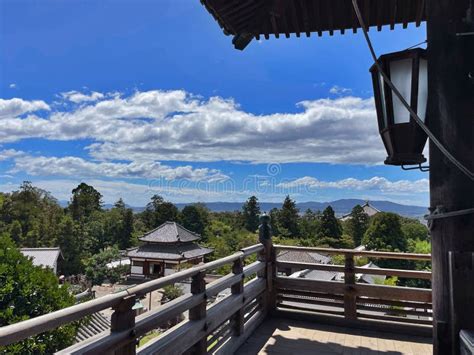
(350, 299)
(222, 326)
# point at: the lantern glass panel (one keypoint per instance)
(400, 75)
(422, 89)
(382, 97)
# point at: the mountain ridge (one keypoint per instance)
(341, 206)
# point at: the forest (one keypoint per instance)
(90, 236)
(85, 230)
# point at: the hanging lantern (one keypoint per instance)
(404, 140)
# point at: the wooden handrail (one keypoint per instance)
(237, 314)
(371, 254)
(415, 274)
(22, 330)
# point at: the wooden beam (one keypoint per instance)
(181, 337)
(198, 312)
(420, 11)
(123, 319)
(394, 292)
(310, 285)
(309, 266)
(305, 13)
(411, 274)
(393, 13)
(350, 309)
(237, 319)
(450, 108)
(370, 254)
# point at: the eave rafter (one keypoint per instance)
(247, 19)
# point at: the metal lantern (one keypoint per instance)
(404, 140)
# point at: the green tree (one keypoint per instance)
(85, 201)
(358, 224)
(96, 269)
(414, 230)
(37, 212)
(274, 212)
(70, 242)
(159, 211)
(28, 291)
(418, 247)
(309, 224)
(288, 217)
(16, 232)
(251, 212)
(330, 230)
(171, 292)
(120, 222)
(195, 218)
(385, 233)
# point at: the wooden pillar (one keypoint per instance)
(269, 257)
(350, 305)
(123, 318)
(198, 285)
(451, 119)
(238, 318)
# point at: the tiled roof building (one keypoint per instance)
(368, 209)
(44, 257)
(165, 248)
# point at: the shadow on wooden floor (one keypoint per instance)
(285, 336)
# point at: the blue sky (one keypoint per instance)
(142, 97)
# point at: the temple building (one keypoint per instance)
(51, 258)
(368, 209)
(165, 249)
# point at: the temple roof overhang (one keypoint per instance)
(169, 252)
(248, 19)
(170, 233)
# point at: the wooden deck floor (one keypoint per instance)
(285, 336)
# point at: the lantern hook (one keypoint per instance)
(424, 169)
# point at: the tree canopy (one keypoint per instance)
(251, 212)
(330, 231)
(28, 291)
(385, 233)
(84, 201)
(195, 218)
(358, 224)
(288, 218)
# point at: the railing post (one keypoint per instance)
(122, 319)
(238, 288)
(350, 297)
(269, 257)
(198, 285)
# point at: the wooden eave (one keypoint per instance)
(248, 19)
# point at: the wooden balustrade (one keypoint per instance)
(351, 299)
(221, 327)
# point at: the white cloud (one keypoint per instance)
(16, 107)
(78, 97)
(8, 154)
(174, 125)
(134, 194)
(376, 183)
(339, 90)
(74, 166)
(12, 86)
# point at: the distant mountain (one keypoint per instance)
(341, 207)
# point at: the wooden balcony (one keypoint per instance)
(268, 313)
